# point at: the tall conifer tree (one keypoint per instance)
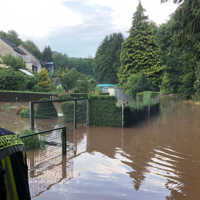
(107, 58)
(139, 52)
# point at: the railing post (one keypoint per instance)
(31, 109)
(64, 140)
(75, 105)
(122, 114)
(88, 112)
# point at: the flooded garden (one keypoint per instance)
(154, 160)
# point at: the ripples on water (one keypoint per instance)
(156, 160)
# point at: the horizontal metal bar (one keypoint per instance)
(60, 100)
(42, 132)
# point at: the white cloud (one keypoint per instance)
(36, 18)
(123, 11)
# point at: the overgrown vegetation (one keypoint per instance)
(107, 58)
(139, 52)
(104, 112)
(15, 80)
(31, 142)
(46, 110)
(164, 58)
(68, 111)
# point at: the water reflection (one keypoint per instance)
(155, 160)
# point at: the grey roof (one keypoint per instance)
(13, 45)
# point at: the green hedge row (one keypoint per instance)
(104, 112)
(27, 92)
(43, 111)
(68, 111)
(23, 96)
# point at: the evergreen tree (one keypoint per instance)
(44, 82)
(139, 51)
(47, 54)
(107, 58)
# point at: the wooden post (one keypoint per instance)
(75, 106)
(31, 109)
(64, 140)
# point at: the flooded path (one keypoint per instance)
(156, 160)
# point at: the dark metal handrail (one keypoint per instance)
(63, 136)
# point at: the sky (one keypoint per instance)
(75, 27)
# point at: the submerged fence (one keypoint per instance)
(48, 154)
(69, 111)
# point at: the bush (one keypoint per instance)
(32, 142)
(68, 111)
(46, 110)
(137, 83)
(104, 112)
(25, 113)
(12, 80)
(14, 62)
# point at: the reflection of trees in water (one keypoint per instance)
(167, 147)
(108, 140)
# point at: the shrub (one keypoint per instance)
(25, 113)
(104, 112)
(137, 83)
(68, 111)
(46, 110)
(32, 142)
(14, 62)
(12, 80)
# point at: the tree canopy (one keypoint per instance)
(47, 54)
(139, 51)
(107, 58)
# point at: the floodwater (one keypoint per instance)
(155, 160)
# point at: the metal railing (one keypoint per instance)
(63, 137)
(32, 112)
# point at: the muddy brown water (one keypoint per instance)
(156, 160)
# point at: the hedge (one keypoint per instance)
(23, 96)
(68, 111)
(104, 112)
(46, 110)
(32, 142)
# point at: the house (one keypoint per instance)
(49, 66)
(107, 88)
(32, 63)
(9, 48)
(113, 90)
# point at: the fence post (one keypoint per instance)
(122, 114)
(31, 108)
(88, 112)
(75, 105)
(64, 140)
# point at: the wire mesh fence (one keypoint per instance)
(48, 163)
(49, 114)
